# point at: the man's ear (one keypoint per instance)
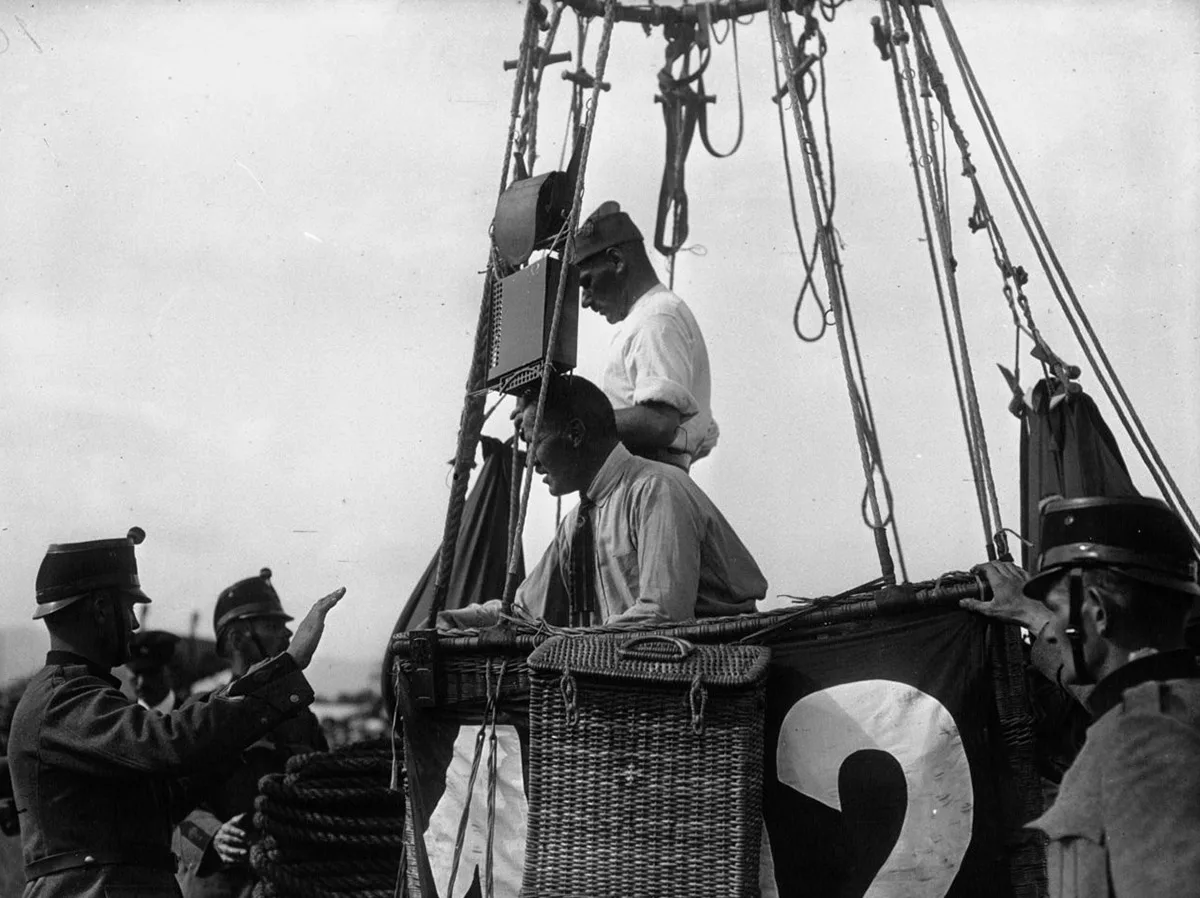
(576, 433)
(1095, 607)
(617, 258)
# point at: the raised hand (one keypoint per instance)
(308, 634)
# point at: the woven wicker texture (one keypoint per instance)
(643, 781)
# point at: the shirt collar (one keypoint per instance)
(1174, 665)
(62, 658)
(608, 476)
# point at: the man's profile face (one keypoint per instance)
(1058, 600)
(272, 634)
(600, 286)
(551, 454)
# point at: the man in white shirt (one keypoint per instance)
(657, 373)
(657, 549)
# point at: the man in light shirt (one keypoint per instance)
(658, 550)
(151, 653)
(657, 373)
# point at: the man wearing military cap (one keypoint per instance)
(98, 779)
(1107, 605)
(213, 841)
(150, 663)
(657, 373)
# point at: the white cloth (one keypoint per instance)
(664, 552)
(166, 706)
(658, 355)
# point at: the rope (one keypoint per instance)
(994, 526)
(951, 314)
(1060, 285)
(320, 837)
(822, 200)
(471, 420)
(510, 586)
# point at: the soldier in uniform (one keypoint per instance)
(213, 841)
(99, 780)
(150, 663)
(1107, 606)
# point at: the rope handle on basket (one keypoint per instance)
(655, 647)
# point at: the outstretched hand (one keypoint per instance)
(1009, 602)
(308, 634)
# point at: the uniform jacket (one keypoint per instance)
(99, 780)
(1126, 823)
(201, 872)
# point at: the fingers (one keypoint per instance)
(984, 608)
(327, 602)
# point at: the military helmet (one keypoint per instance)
(71, 571)
(607, 226)
(249, 598)
(1142, 538)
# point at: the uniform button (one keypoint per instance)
(295, 698)
(265, 719)
(89, 859)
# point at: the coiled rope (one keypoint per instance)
(324, 831)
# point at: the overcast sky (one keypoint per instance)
(239, 275)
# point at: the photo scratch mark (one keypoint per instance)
(28, 35)
(313, 237)
(7, 42)
(53, 155)
(252, 175)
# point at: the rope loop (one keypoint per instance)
(697, 702)
(566, 686)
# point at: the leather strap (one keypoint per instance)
(155, 857)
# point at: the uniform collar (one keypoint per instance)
(609, 475)
(1178, 664)
(62, 658)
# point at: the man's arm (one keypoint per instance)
(91, 728)
(1151, 805)
(650, 425)
(668, 541)
(530, 597)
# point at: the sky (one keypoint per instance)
(241, 254)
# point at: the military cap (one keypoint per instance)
(71, 571)
(607, 226)
(150, 649)
(1141, 537)
(249, 598)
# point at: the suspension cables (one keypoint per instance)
(933, 201)
(471, 419)
(1060, 285)
(822, 197)
(572, 225)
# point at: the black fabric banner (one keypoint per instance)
(884, 771)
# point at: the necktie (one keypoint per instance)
(582, 585)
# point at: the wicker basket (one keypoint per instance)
(645, 768)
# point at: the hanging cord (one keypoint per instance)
(527, 141)
(822, 199)
(493, 778)
(574, 114)
(610, 9)
(732, 29)
(1060, 285)
(808, 259)
(934, 205)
